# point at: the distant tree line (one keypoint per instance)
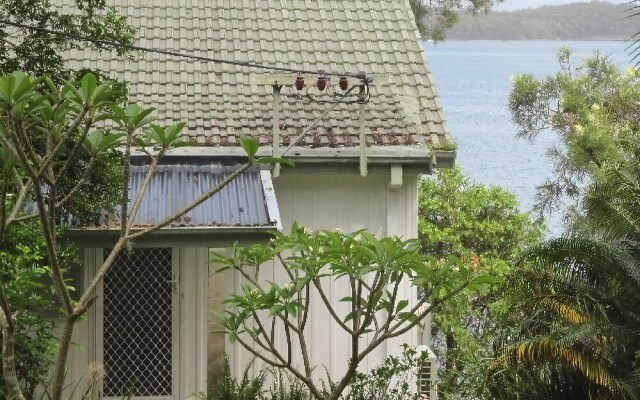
(596, 20)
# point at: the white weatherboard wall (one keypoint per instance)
(344, 200)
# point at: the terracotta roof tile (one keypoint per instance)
(218, 101)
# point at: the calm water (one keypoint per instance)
(473, 80)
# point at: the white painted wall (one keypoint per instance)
(191, 329)
(315, 199)
(345, 200)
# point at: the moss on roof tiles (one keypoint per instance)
(377, 37)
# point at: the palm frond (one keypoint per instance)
(633, 12)
(613, 201)
(548, 350)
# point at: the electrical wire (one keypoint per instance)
(247, 64)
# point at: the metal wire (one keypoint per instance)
(138, 337)
(247, 64)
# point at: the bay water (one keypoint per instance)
(473, 80)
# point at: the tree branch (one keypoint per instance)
(83, 179)
(204, 197)
(318, 285)
(7, 324)
(143, 190)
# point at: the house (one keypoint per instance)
(173, 346)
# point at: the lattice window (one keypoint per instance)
(427, 376)
(424, 380)
(138, 338)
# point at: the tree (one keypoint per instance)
(434, 17)
(375, 273)
(592, 108)
(41, 53)
(578, 298)
(22, 269)
(483, 227)
(45, 132)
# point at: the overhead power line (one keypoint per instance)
(113, 44)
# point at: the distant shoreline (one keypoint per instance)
(592, 21)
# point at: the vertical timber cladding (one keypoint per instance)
(138, 335)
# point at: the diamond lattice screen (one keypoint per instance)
(137, 324)
(424, 380)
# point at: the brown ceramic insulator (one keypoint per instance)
(322, 82)
(344, 83)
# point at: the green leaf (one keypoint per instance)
(88, 85)
(99, 141)
(249, 145)
(402, 304)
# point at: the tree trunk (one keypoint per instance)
(450, 379)
(61, 360)
(8, 357)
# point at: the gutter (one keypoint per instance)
(420, 157)
(197, 230)
(177, 237)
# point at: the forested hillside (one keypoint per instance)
(579, 21)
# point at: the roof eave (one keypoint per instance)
(417, 155)
(200, 236)
(176, 230)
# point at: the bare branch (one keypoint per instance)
(270, 343)
(143, 190)
(19, 205)
(71, 157)
(317, 284)
(54, 262)
(85, 299)
(126, 170)
(204, 197)
(426, 312)
(260, 355)
(81, 182)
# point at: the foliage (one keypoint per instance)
(284, 386)
(593, 20)
(434, 17)
(390, 381)
(23, 269)
(465, 219)
(484, 228)
(47, 133)
(231, 388)
(41, 53)
(578, 298)
(592, 108)
(372, 271)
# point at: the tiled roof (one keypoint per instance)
(219, 102)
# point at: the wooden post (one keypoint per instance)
(363, 140)
(275, 130)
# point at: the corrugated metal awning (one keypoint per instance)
(248, 201)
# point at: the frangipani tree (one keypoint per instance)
(375, 270)
(48, 132)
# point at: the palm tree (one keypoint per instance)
(634, 47)
(579, 298)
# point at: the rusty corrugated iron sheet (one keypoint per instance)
(242, 203)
